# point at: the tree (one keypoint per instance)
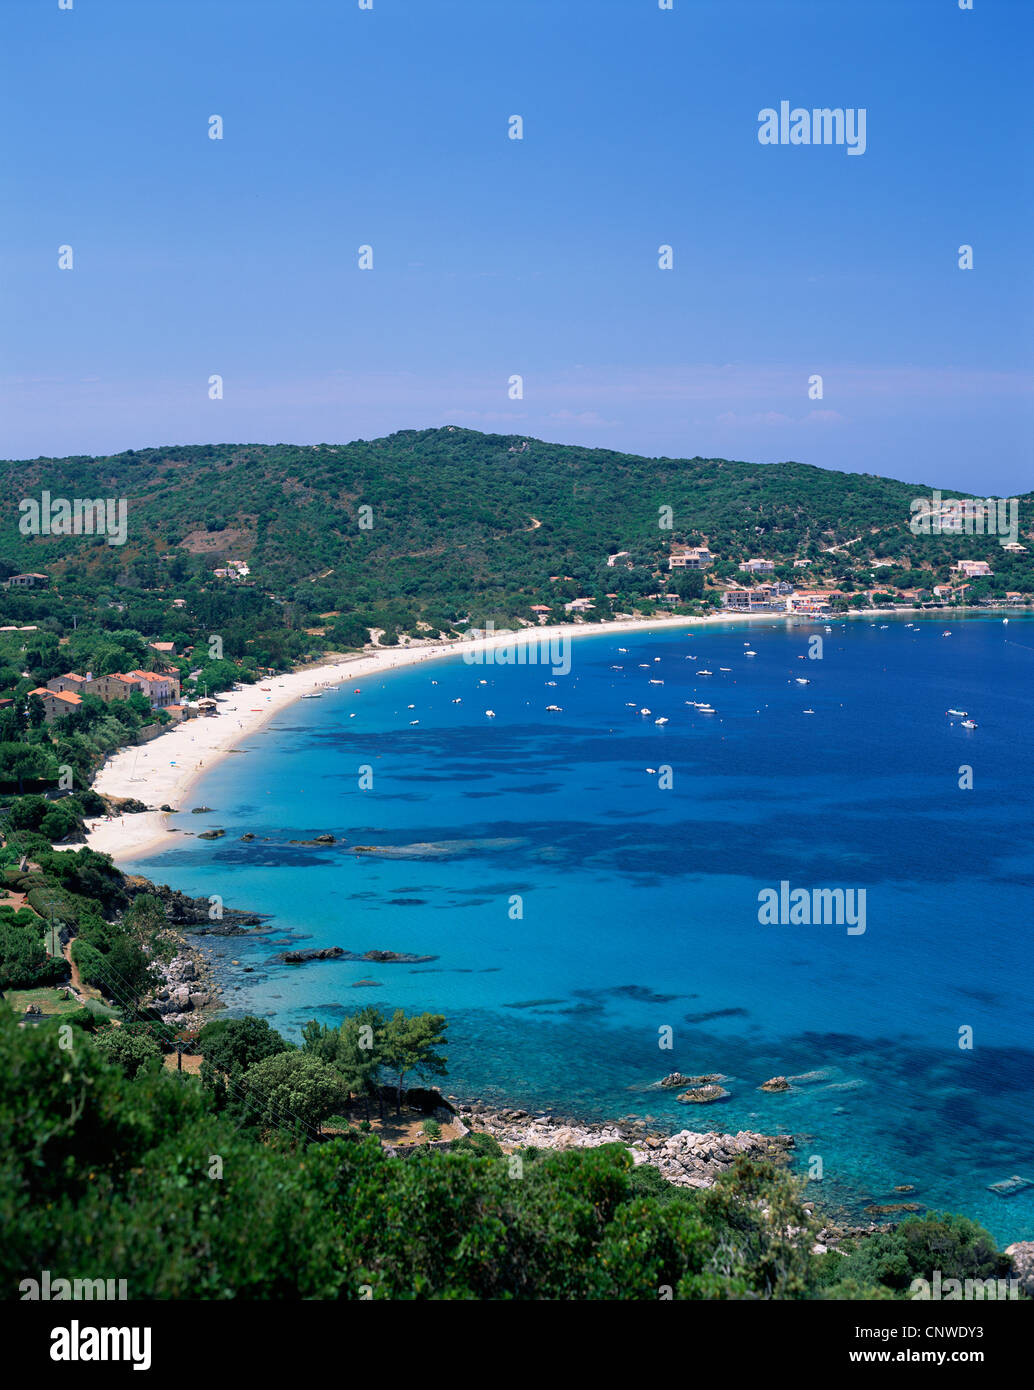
(19, 761)
(133, 1052)
(409, 1045)
(296, 1086)
(231, 1046)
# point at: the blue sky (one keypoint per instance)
(493, 257)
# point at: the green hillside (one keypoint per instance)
(461, 525)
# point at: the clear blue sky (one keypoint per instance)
(538, 257)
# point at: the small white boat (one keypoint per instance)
(706, 709)
(970, 724)
(313, 695)
(623, 650)
(750, 653)
(490, 713)
(960, 712)
(945, 633)
(457, 701)
(704, 673)
(802, 680)
(809, 711)
(555, 707)
(644, 710)
(414, 721)
(654, 682)
(551, 682)
(662, 720)
(725, 668)
(411, 707)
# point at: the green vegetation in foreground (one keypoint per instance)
(110, 1166)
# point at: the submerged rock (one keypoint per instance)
(892, 1208)
(211, 834)
(703, 1095)
(775, 1083)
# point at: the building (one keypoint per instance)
(160, 688)
(973, 569)
(166, 649)
(113, 687)
(69, 683)
(56, 704)
(613, 559)
(1014, 548)
(801, 564)
(579, 605)
(698, 559)
(28, 581)
(757, 566)
(813, 601)
(762, 598)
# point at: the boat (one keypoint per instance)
(802, 680)
(809, 711)
(725, 668)
(706, 709)
(654, 682)
(623, 650)
(318, 695)
(946, 633)
(555, 707)
(960, 712)
(490, 713)
(414, 721)
(644, 710)
(704, 673)
(970, 724)
(662, 720)
(750, 653)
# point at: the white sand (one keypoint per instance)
(162, 772)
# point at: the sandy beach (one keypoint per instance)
(161, 773)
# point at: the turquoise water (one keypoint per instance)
(640, 903)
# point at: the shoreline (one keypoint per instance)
(164, 770)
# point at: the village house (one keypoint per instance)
(112, 688)
(160, 688)
(757, 566)
(28, 581)
(972, 569)
(69, 683)
(698, 559)
(761, 598)
(813, 601)
(56, 704)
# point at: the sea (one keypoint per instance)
(589, 886)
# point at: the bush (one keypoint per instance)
(476, 1143)
(432, 1129)
(134, 1052)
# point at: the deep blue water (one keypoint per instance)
(640, 904)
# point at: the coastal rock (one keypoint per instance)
(892, 1208)
(211, 834)
(248, 836)
(311, 953)
(192, 913)
(775, 1084)
(200, 810)
(1021, 1253)
(702, 1095)
(674, 1078)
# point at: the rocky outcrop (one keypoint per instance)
(1021, 1254)
(775, 1084)
(687, 1159)
(211, 834)
(299, 957)
(193, 913)
(702, 1095)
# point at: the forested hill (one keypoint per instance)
(458, 520)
